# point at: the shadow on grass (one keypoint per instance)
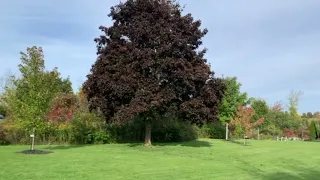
(302, 174)
(301, 171)
(63, 147)
(239, 142)
(194, 143)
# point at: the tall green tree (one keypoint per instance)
(260, 108)
(149, 62)
(313, 131)
(293, 99)
(304, 115)
(232, 98)
(30, 97)
(309, 115)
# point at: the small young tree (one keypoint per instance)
(293, 99)
(313, 131)
(241, 121)
(261, 109)
(30, 97)
(231, 99)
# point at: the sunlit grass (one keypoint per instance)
(202, 159)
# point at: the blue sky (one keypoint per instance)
(272, 46)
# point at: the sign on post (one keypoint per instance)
(32, 139)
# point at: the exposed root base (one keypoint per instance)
(148, 145)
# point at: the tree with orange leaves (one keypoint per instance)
(241, 122)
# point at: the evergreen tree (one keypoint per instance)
(313, 131)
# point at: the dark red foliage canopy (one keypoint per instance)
(148, 62)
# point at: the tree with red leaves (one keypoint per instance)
(241, 121)
(148, 62)
(63, 108)
(276, 107)
(289, 133)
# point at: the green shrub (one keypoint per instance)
(15, 133)
(3, 139)
(218, 130)
(3, 110)
(89, 128)
(265, 136)
(131, 131)
(188, 132)
(214, 130)
(237, 132)
(57, 134)
(170, 129)
(84, 128)
(174, 133)
(204, 131)
(103, 137)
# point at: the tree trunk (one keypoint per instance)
(227, 131)
(147, 137)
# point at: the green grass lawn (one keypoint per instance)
(202, 159)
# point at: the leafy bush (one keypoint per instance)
(217, 130)
(271, 129)
(15, 133)
(237, 132)
(188, 132)
(3, 139)
(289, 133)
(62, 108)
(3, 110)
(131, 131)
(203, 131)
(57, 134)
(89, 128)
(265, 136)
(170, 129)
(103, 137)
(173, 129)
(213, 130)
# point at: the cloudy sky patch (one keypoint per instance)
(272, 46)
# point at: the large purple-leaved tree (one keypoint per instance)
(148, 61)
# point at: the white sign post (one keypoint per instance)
(32, 142)
(227, 130)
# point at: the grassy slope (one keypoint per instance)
(203, 159)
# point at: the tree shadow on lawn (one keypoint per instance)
(63, 147)
(302, 172)
(239, 142)
(194, 143)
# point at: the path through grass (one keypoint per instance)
(202, 159)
